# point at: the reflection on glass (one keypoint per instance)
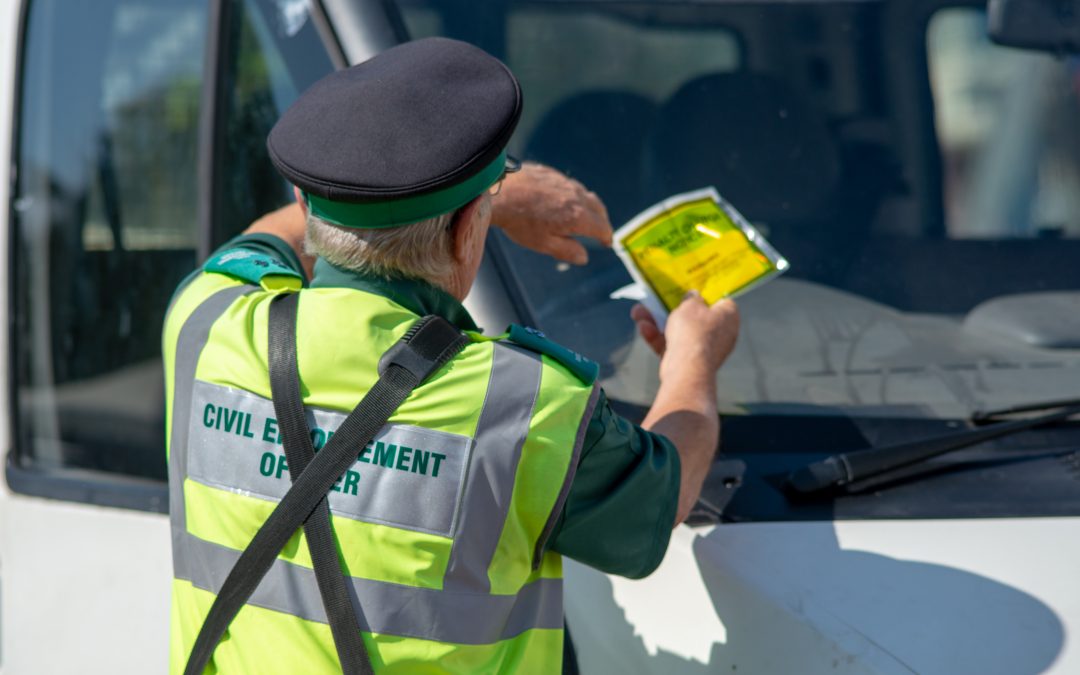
(105, 224)
(1007, 127)
(276, 55)
(812, 119)
(106, 204)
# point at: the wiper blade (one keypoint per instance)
(984, 417)
(846, 468)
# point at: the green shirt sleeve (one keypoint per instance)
(622, 503)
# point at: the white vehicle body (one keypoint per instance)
(43, 592)
(94, 578)
(85, 588)
(891, 597)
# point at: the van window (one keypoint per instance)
(105, 210)
(814, 120)
(1006, 123)
(274, 54)
(583, 66)
(105, 225)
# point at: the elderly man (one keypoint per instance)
(426, 533)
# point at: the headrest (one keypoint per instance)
(765, 149)
(597, 137)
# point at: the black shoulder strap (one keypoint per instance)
(429, 344)
(296, 437)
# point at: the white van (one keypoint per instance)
(923, 182)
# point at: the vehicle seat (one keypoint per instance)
(597, 137)
(769, 152)
(766, 150)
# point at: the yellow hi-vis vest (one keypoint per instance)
(441, 522)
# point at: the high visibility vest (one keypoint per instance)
(441, 522)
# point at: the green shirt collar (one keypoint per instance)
(415, 295)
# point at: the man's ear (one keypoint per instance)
(465, 228)
(300, 200)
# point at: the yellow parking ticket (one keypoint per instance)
(696, 241)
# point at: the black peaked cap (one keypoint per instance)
(416, 118)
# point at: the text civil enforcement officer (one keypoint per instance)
(441, 550)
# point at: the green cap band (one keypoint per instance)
(407, 210)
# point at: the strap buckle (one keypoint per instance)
(424, 348)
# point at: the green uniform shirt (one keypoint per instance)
(619, 512)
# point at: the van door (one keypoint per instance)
(138, 147)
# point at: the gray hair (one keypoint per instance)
(421, 250)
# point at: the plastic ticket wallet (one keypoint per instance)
(693, 241)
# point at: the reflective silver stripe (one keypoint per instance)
(394, 609)
(571, 470)
(408, 477)
(189, 345)
(500, 433)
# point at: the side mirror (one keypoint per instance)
(1043, 25)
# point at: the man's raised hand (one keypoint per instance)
(544, 210)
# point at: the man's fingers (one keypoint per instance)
(544, 210)
(724, 306)
(692, 297)
(646, 325)
(595, 223)
(640, 313)
(584, 213)
(566, 249)
(652, 336)
(726, 310)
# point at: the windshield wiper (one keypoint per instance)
(844, 469)
(984, 417)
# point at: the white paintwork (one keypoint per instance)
(9, 16)
(86, 589)
(929, 597)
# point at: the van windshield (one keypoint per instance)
(923, 183)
